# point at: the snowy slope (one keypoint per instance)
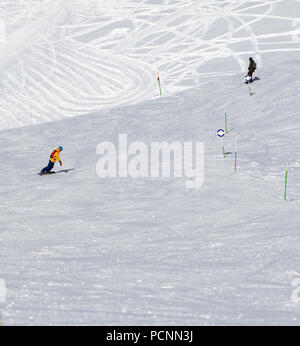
(69, 57)
(77, 249)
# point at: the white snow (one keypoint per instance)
(77, 249)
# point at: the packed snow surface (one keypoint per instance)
(79, 249)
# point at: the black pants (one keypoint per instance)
(250, 73)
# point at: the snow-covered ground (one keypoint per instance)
(69, 57)
(77, 249)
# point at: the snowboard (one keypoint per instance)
(248, 79)
(46, 173)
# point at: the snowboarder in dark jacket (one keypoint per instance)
(251, 68)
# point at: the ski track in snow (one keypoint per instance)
(65, 58)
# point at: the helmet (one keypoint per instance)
(60, 148)
(250, 58)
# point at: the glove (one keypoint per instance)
(60, 163)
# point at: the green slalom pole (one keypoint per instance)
(235, 153)
(159, 84)
(235, 157)
(223, 149)
(285, 184)
(250, 93)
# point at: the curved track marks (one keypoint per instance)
(64, 58)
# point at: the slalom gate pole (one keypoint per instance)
(250, 93)
(223, 150)
(285, 184)
(235, 153)
(159, 84)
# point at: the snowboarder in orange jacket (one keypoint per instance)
(53, 158)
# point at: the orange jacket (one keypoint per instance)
(55, 156)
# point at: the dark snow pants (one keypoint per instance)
(48, 168)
